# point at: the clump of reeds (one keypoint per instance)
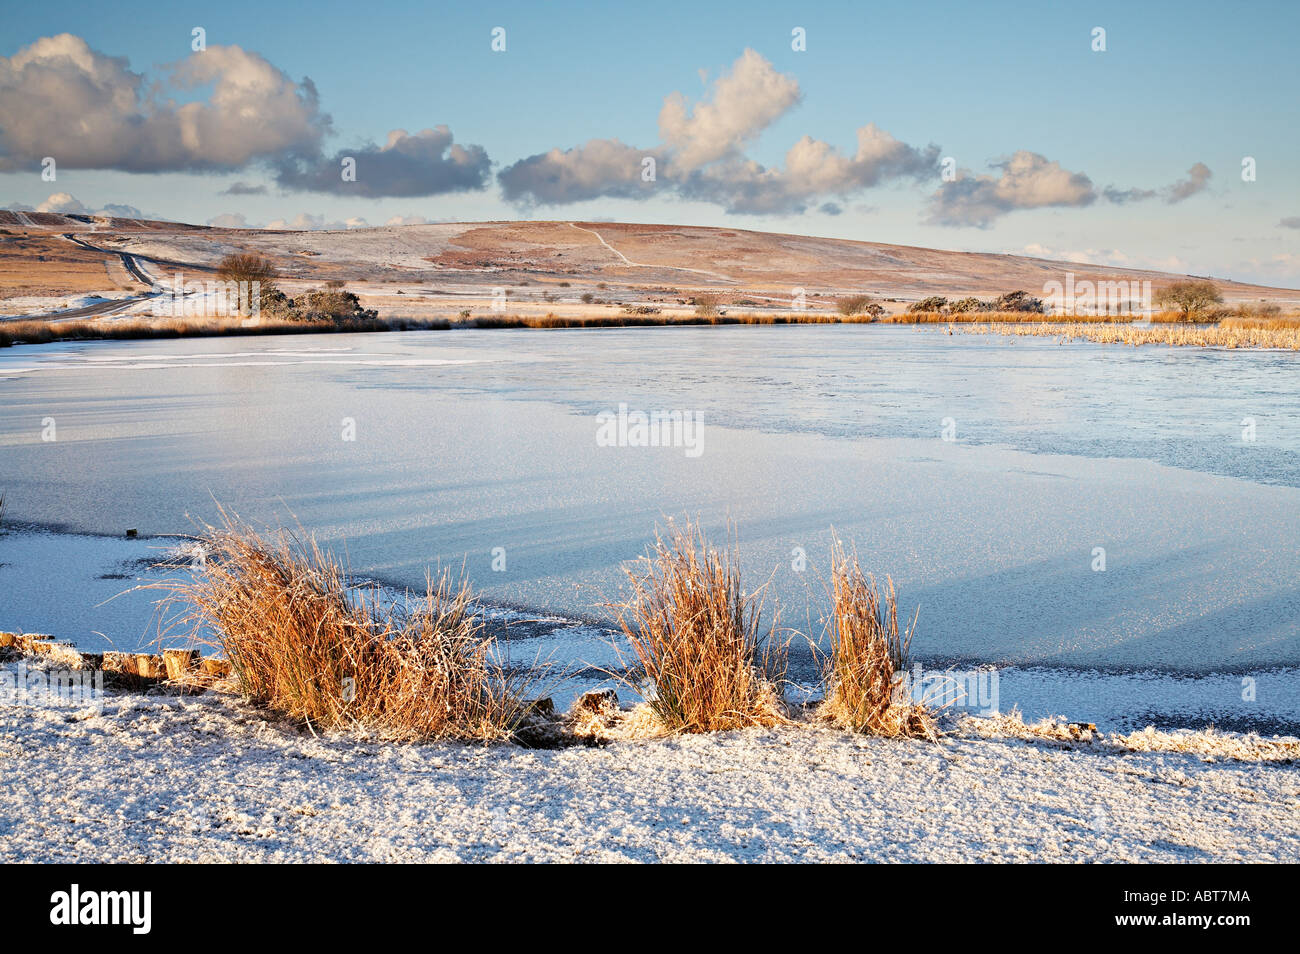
(697, 638)
(1229, 334)
(42, 331)
(865, 672)
(302, 640)
(635, 320)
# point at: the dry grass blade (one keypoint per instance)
(697, 638)
(868, 657)
(300, 639)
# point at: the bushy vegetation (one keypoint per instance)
(706, 306)
(1016, 301)
(321, 306)
(935, 303)
(853, 305)
(1192, 300)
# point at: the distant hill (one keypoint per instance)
(634, 260)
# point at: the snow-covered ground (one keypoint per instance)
(207, 778)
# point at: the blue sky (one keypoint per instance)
(1179, 84)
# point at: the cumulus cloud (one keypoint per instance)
(65, 203)
(429, 162)
(62, 202)
(1290, 222)
(812, 169)
(744, 102)
(60, 98)
(701, 155)
(601, 168)
(231, 220)
(1124, 196)
(1027, 181)
(119, 211)
(307, 222)
(1198, 180)
(407, 220)
(219, 109)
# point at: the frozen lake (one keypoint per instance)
(471, 444)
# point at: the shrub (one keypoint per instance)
(1017, 301)
(851, 305)
(1189, 298)
(965, 305)
(697, 640)
(935, 303)
(706, 306)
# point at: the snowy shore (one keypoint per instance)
(208, 778)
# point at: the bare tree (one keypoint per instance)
(251, 268)
(1191, 298)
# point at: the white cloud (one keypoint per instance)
(600, 168)
(701, 155)
(813, 169)
(308, 222)
(1026, 181)
(60, 98)
(1198, 180)
(231, 220)
(744, 102)
(65, 203)
(428, 162)
(62, 202)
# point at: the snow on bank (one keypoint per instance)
(208, 778)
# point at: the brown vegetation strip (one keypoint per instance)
(1228, 334)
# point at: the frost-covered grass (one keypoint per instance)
(305, 641)
(868, 657)
(698, 640)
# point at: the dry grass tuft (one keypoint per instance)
(865, 671)
(301, 640)
(696, 637)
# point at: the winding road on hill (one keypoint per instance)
(627, 261)
(100, 309)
